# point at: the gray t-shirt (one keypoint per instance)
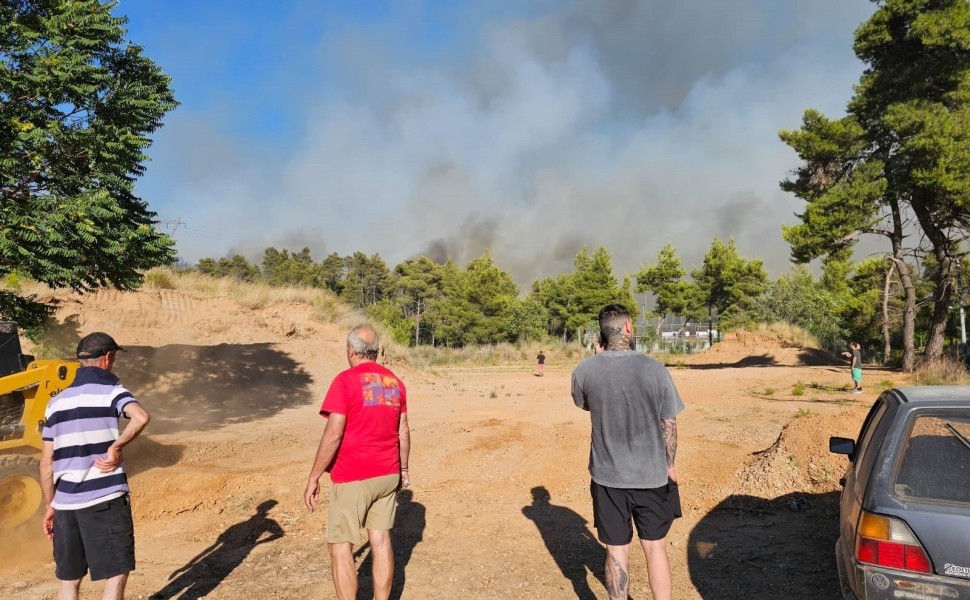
(626, 394)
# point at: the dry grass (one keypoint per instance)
(946, 371)
(327, 307)
(792, 335)
(557, 351)
(331, 309)
(250, 295)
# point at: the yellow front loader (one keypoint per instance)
(26, 385)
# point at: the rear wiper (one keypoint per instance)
(958, 435)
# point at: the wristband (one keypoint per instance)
(404, 468)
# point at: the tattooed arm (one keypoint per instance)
(669, 427)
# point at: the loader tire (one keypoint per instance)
(21, 497)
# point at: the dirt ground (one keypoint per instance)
(499, 506)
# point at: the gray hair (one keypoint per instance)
(364, 341)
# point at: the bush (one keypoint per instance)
(159, 279)
(945, 371)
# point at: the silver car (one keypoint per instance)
(904, 516)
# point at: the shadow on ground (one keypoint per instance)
(204, 573)
(749, 548)
(409, 524)
(187, 388)
(144, 454)
(569, 541)
(806, 357)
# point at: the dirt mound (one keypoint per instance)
(799, 460)
(760, 349)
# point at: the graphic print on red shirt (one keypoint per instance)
(380, 389)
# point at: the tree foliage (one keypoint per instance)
(417, 285)
(279, 267)
(424, 302)
(78, 104)
(235, 267)
(904, 148)
(799, 299)
(366, 279)
(729, 284)
(672, 293)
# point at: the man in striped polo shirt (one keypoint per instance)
(83, 476)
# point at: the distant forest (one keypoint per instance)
(423, 302)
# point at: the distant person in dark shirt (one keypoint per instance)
(854, 355)
(542, 363)
(856, 367)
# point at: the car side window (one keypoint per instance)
(869, 427)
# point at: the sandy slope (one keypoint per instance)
(499, 507)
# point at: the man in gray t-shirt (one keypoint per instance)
(633, 406)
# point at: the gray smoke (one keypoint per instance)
(600, 122)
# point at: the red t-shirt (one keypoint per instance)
(373, 399)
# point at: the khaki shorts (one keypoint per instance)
(368, 504)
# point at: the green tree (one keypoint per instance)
(555, 294)
(594, 286)
(331, 271)
(914, 102)
(366, 280)
(389, 314)
(490, 292)
(573, 300)
(451, 312)
(418, 283)
(282, 268)
(910, 113)
(847, 196)
(730, 285)
(672, 294)
(871, 310)
(797, 298)
(78, 105)
(526, 320)
(235, 267)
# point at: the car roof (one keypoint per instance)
(936, 395)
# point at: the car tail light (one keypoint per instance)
(888, 542)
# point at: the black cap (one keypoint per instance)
(96, 344)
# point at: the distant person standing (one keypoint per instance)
(856, 367)
(83, 475)
(541, 359)
(633, 408)
(365, 448)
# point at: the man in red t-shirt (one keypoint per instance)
(365, 448)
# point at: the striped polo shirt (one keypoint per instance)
(82, 422)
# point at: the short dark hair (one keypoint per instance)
(612, 318)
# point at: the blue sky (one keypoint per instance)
(527, 127)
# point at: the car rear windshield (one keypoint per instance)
(934, 461)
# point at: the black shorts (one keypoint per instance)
(99, 537)
(652, 510)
